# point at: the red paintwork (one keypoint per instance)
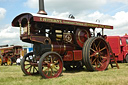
(77, 55)
(68, 57)
(119, 46)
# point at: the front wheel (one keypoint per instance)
(50, 65)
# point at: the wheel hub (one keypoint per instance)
(97, 54)
(52, 65)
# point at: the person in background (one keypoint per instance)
(18, 61)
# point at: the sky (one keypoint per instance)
(109, 12)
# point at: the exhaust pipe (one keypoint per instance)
(41, 8)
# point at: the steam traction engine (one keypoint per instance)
(9, 55)
(60, 42)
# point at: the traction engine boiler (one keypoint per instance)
(61, 42)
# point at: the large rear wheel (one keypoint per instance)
(50, 65)
(96, 54)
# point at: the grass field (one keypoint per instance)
(12, 75)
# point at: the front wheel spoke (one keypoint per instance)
(52, 72)
(54, 58)
(28, 67)
(51, 60)
(57, 65)
(28, 60)
(47, 71)
(55, 62)
(102, 49)
(44, 65)
(27, 64)
(46, 62)
(56, 68)
(35, 68)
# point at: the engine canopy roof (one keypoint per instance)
(49, 19)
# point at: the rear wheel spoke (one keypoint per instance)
(94, 60)
(95, 46)
(96, 64)
(93, 50)
(92, 55)
(104, 60)
(98, 44)
(102, 49)
(100, 63)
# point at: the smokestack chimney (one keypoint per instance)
(41, 8)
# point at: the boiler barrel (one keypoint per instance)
(61, 48)
(39, 48)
